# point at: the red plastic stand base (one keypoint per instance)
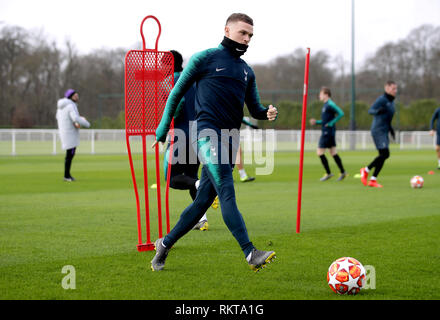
(145, 247)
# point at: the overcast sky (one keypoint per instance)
(280, 26)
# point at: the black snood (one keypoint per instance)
(237, 49)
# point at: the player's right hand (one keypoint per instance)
(431, 133)
(272, 113)
(312, 121)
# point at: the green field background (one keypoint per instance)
(90, 224)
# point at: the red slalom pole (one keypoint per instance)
(303, 130)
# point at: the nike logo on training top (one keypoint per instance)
(221, 94)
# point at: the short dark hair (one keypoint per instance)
(240, 17)
(326, 90)
(178, 60)
(390, 83)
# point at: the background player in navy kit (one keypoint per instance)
(184, 175)
(331, 114)
(436, 116)
(383, 111)
(224, 83)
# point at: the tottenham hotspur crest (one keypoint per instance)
(245, 74)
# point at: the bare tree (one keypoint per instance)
(35, 72)
(13, 52)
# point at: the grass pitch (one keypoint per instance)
(90, 224)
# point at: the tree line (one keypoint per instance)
(35, 72)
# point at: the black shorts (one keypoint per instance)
(327, 140)
(190, 170)
(438, 138)
(189, 166)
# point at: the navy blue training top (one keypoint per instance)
(435, 116)
(383, 111)
(185, 111)
(330, 114)
(223, 84)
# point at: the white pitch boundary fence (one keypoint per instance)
(103, 141)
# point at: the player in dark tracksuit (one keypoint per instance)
(184, 174)
(330, 114)
(224, 83)
(184, 171)
(383, 111)
(436, 116)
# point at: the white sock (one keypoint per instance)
(197, 184)
(439, 162)
(367, 170)
(242, 173)
(373, 178)
(204, 218)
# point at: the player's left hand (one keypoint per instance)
(154, 144)
(392, 133)
(272, 113)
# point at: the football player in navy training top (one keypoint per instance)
(224, 83)
(436, 116)
(331, 114)
(383, 111)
